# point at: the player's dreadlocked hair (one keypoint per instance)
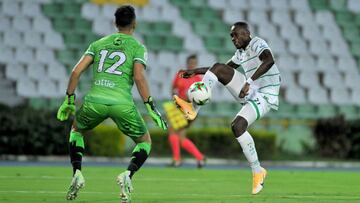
(124, 16)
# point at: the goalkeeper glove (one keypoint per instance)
(67, 108)
(155, 114)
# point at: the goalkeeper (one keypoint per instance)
(118, 60)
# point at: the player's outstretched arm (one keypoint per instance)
(67, 108)
(190, 73)
(143, 89)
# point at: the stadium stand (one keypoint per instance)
(315, 43)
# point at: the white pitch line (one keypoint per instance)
(49, 192)
(92, 178)
(330, 197)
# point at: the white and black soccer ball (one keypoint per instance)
(199, 93)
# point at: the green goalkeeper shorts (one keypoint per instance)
(126, 117)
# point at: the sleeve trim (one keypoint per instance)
(90, 53)
(141, 60)
(235, 62)
(263, 49)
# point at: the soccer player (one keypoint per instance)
(257, 91)
(177, 137)
(117, 61)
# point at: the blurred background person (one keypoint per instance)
(177, 133)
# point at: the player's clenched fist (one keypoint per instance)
(67, 108)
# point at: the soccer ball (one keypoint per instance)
(199, 93)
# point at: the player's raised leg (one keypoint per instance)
(217, 73)
(187, 108)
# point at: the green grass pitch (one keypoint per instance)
(164, 185)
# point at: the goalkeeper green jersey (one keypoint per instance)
(114, 57)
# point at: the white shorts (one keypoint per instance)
(254, 104)
(255, 108)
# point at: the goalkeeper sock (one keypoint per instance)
(190, 147)
(175, 146)
(248, 146)
(76, 148)
(138, 157)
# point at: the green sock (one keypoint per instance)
(138, 157)
(76, 148)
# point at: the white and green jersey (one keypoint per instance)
(269, 83)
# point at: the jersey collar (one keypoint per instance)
(248, 46)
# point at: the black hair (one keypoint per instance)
(192, 56)
(242, 25)
(124, 16)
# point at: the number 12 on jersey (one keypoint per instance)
(113, 68)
